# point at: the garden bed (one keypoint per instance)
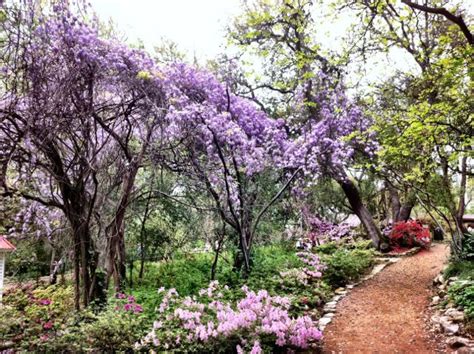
(278, 274)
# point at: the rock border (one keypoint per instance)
(409, 252)
(329, 309)
(449, 319)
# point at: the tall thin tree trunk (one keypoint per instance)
(77, 275)
(143, 235)
(220, 240)
(52, 267)
(86, 281)
(462, 194)
(81, 259)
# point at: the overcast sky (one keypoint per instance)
(198, 27)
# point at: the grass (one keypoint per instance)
(188, 273)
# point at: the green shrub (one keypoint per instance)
(11, 323)
(37, 314)
(462, 293)
(186, 273)
(267, 263)
(116, 328)
(363, 245)
(461, 269)
(468, 247)
(345, 265)
(327, 248)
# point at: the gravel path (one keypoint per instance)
(387, 314)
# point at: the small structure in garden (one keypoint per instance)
(5, 247)
(468, 220)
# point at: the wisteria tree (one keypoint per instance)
(312, 98)
(80, 113)
(224, 145)
(74, 105)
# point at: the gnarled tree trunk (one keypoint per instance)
(400, 211)
(115, 232)
(353, 196)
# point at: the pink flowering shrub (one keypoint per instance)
(310, 273)
(127, 303)
(35, 313)
(208, 322)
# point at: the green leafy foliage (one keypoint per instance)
(112, 330)
(462, 293)
(43, 319)
(461, 269)
(30, 260)
(468, 247)
(346, 265)
(37, 313)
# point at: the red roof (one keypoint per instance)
(5, 245)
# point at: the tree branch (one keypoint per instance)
(458, 20)
(274, 199)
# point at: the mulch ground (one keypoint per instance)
(389, 313)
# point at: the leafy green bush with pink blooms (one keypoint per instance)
(207, 322)
(36, 313)
(43, 319)
(274, 309)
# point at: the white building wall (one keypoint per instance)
(2, 271)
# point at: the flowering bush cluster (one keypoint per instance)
(39, 312)
(309, 273)
(42, 319)
(208, 322)
(409, 234)
(321, 231)
(127, 303)
(313, 264)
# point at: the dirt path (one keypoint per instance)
(387, 314)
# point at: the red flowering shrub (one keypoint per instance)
(410, 234)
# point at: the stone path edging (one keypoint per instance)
(410, 252)
(449, 319)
